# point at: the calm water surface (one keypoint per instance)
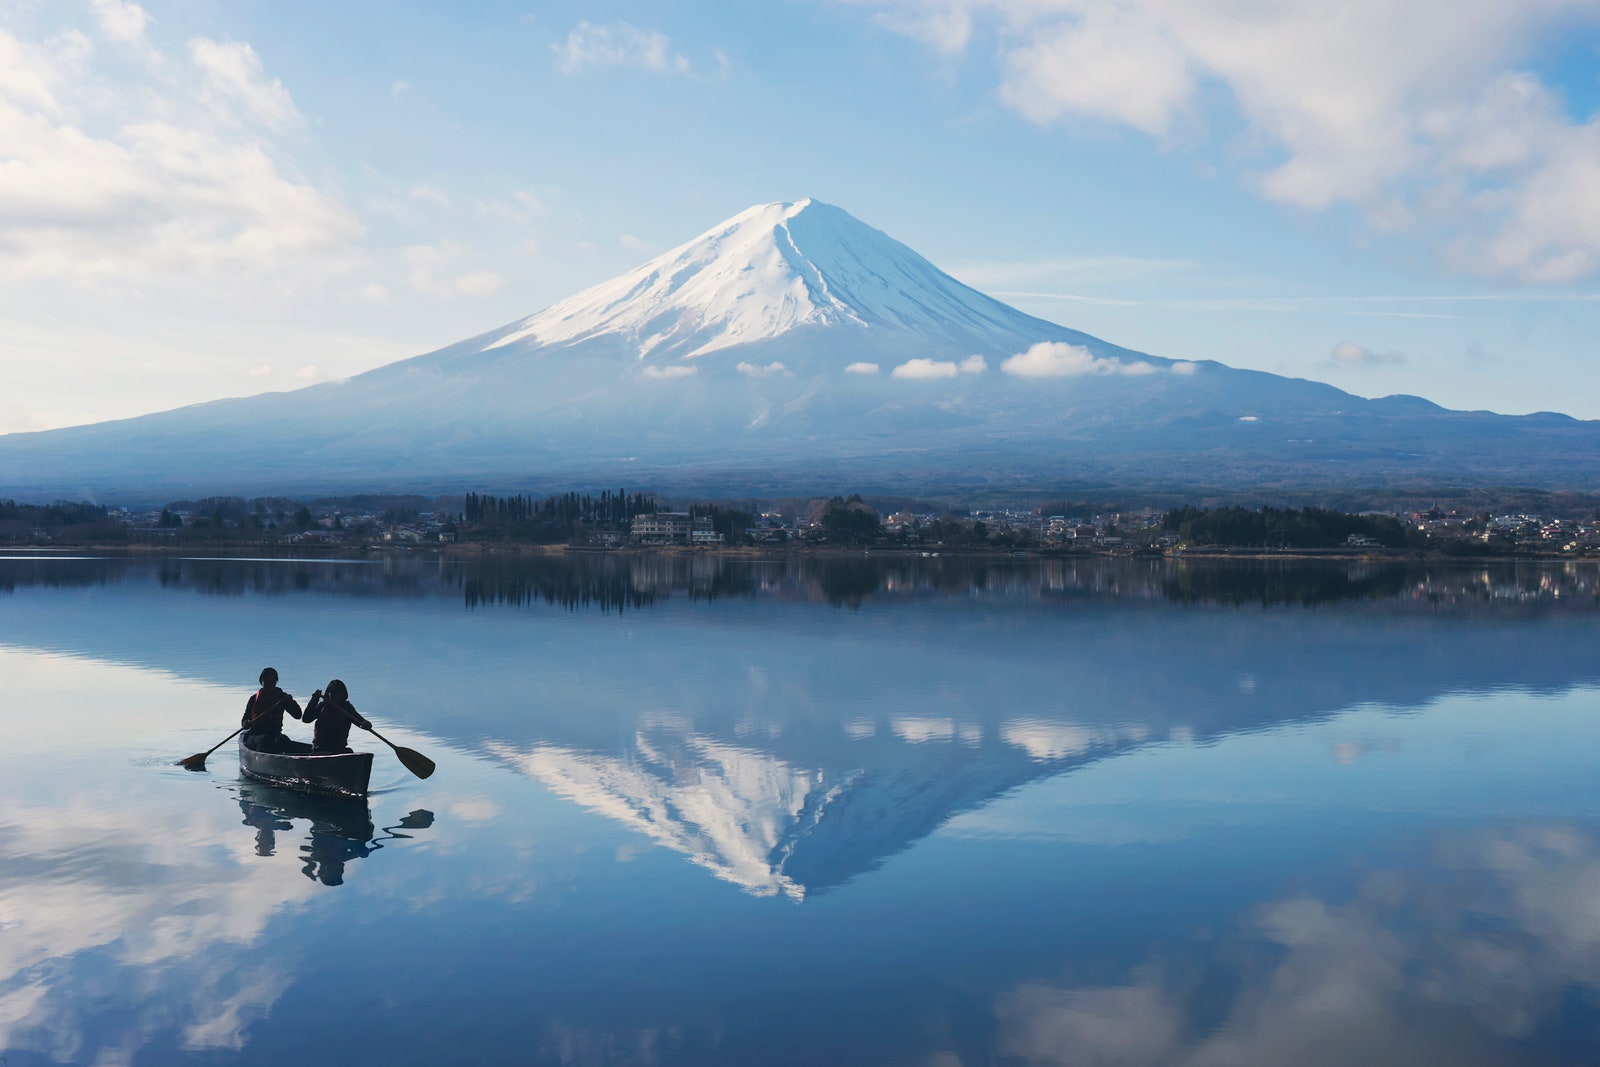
(808, 812)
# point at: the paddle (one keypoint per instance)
(415, 762)
(197, 762)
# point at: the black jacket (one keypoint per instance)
(263, 712)
(333, 719)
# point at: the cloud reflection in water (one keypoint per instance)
(1486, 950)
(147, 886)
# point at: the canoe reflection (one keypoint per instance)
(341, 829)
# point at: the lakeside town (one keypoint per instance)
(616, 521)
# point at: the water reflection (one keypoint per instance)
(616, 582)
(101, 901)
(340, 831)
(812, 810)
(774, 826)
(1483, 949)
(81, 890)
(793, 723)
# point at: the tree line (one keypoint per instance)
(62, 520)
(609, 509)
(1280, 527)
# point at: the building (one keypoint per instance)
(703, 532)
(675, 527)
(668, 526)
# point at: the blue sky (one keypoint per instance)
(201, 200)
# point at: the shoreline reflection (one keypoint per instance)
(617, 583)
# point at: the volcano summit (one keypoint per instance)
(794, 348)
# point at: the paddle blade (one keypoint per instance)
(196, 762)
(415, 762)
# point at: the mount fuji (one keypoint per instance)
(794, 348)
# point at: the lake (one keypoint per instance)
(854, 810)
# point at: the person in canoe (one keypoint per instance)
(263, 714)
(333, 713)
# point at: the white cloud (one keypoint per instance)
(1421, 114)
(398, 88)
(1185, 368)
(429, 274)
(767, 370)
(121, 21)
(144, 180)
(925, 369)
(1057, 359)
(1113, 62)
(676, 371)
(629, 241)
(308, 373)
(1350, 354)
(237, 88)
(263, 371)
(31, 74)
(618, 44)
(862, 368)
(947, 27)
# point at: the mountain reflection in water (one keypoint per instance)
(773, 827)
(811, 809)
(948, 681)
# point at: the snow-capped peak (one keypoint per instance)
(766, 271)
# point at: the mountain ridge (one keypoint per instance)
(792, 348)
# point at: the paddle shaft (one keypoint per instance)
(203, 756)
(374, 732)
(199, 758)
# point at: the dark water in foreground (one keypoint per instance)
(809, 812)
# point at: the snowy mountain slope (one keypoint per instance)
(773, 269)
(795, 348)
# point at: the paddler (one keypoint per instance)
(263, 714)
(333, 713)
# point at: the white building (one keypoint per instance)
(675, 527)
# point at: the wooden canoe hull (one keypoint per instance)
(345, 775)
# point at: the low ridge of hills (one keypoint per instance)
(789, 349)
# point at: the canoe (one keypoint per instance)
(342, 775)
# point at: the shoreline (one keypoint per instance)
(467, 552)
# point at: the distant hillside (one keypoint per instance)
(795, 349)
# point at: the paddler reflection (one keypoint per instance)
(341, 829)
